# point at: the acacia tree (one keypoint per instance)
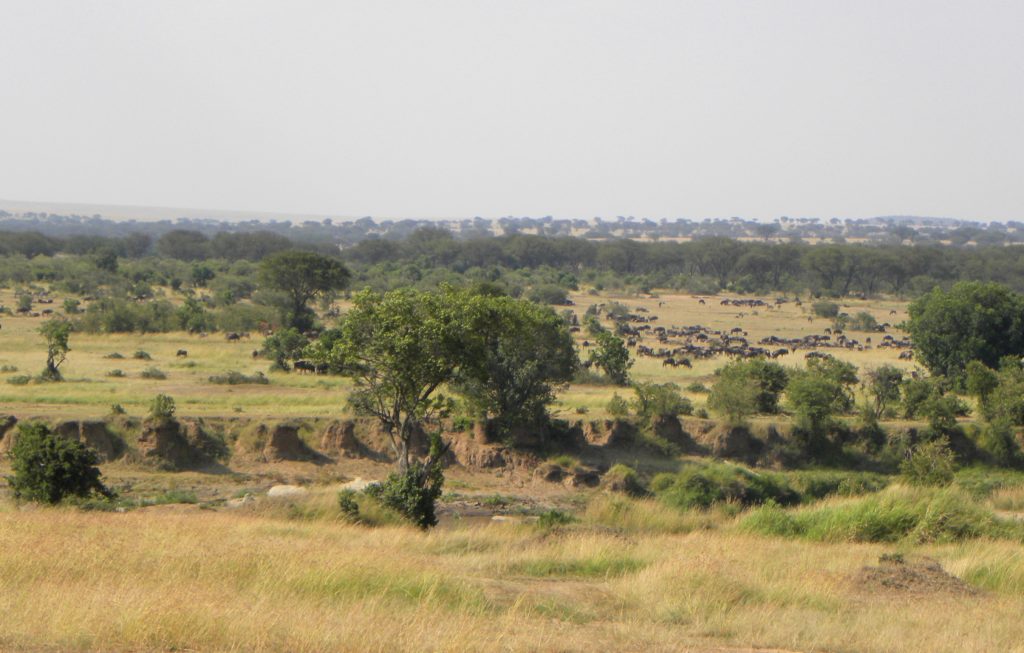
(526, 350)
(399, 348)
(612, 357)
(973, 321)
(301, 277)
(56, 332)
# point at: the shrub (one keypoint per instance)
(552, 518)
(237, 378)
(116, 373)
(916, 515)
(7, 369)
(697, 387)
(701, 486)
(657, 400)
(618, 407)
(114, 355)
(929, 463)
(408, 495)
(153, 373)
(825, 309)
(162, 408)
(20, 380)
(48, 468)
(117, 409)
(348, 505)
(140, 355)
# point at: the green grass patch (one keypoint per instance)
(898, 514)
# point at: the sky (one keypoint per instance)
(576, 109)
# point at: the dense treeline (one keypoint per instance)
(701, 266)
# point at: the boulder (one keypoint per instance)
(582, 477)
(285, 491)
(551, 472)
(284, 443)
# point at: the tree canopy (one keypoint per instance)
(301, 277)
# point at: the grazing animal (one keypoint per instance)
(906, 355)
(182, 353)
(702, 302)
(255, 353)
(232, 336)
(304, 366)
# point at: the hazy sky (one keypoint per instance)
(442, 108)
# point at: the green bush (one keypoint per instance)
(116, 373)
(237, 378)
(618, 407)
(552, 518)
(140, 355)
(917, 515)
(701, 486)
(47, 468)
(348, 505)
(7, 369)
(162, 408)
(153, 373)
(825, 309)
(929, 463)
(20, 380)
(411, 494)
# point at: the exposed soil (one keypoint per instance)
(920, 576)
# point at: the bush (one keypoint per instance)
(411, 494)
(553, 518)
(20, 380)
(930, 463)
(701, 486)
(618, 407)
(916, 515)
(348, 505)
(7, 369)
(549, 294)
(116, 373)
(153, 373)
(47, 468)
(825, 309)
(657, 400)
(115, 355)
(237, 378)
(697, 387)
(162, 408)
(139, 355)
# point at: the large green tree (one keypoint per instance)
(525, 352)
(301, 277)
(971, 321)
(400, 348)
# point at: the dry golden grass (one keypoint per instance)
(157, 580)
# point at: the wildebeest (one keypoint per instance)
(182, 353)
(231, 335)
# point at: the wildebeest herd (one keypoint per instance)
(680, 345)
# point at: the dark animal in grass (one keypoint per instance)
(182, 353)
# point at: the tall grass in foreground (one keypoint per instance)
(157, 581)
(898, 514)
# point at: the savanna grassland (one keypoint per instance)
(203, 560)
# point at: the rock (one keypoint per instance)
(284, 443)
(240, 502)
(357, 485)
(582, 477)
(551, 473)
(280, 491)
(341, 437)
